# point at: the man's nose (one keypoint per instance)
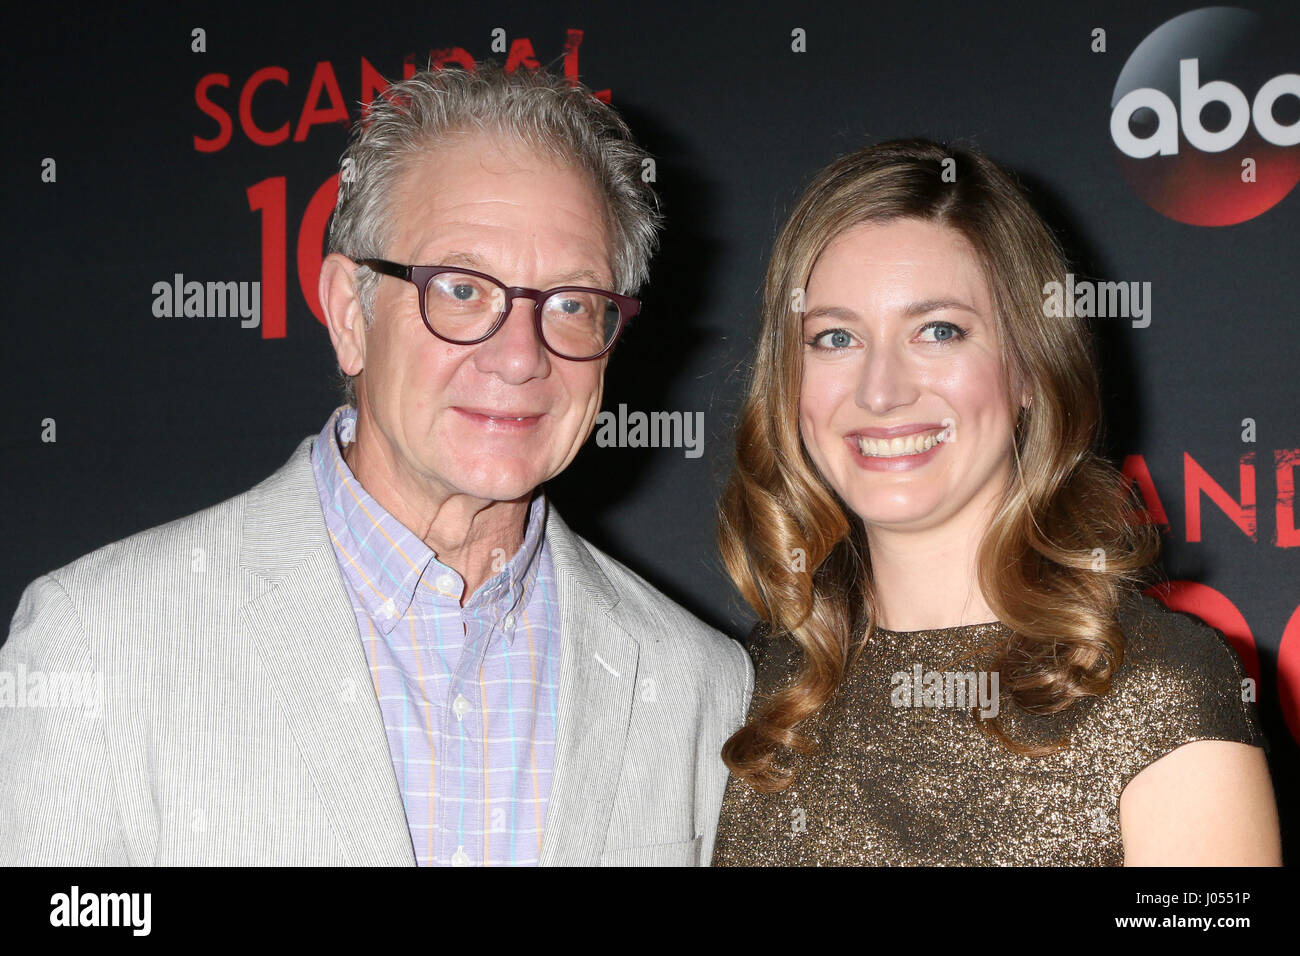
(515, 354)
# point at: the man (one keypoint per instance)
(393, 650)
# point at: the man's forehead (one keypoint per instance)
(487, 168)
(450, 205)
(472, 260)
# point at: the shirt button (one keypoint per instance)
(460, 706)
(460, 857)
(509, 621)
(446, 582)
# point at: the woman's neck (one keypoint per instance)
(926, 580)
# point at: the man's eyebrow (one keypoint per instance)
(582, 275)
(463, 259)
(477, 263)
(912, 310)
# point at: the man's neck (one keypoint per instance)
(472, 536)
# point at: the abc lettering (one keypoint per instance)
(1192, 99)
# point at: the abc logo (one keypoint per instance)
(1193, 97)
(1206, 118)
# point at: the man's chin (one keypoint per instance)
(501, 488)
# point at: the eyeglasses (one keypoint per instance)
(465, 307)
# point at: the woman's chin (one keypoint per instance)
(897, 515)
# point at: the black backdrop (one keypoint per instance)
(157, 417)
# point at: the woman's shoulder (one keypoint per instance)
(775, 656)
(1180, 681)
(1177, 649)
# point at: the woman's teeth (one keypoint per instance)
(913, 444)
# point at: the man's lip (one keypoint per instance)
(497, 413)
(894, 431)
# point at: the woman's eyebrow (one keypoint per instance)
(912, 310)
(937, 305)
(830, 312)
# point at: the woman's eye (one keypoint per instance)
(943, 332)
(831, 339)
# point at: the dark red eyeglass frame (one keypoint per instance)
(421, 276)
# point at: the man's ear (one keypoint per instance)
(342, 310)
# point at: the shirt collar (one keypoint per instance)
(390, 566)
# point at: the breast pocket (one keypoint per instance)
(685, 853)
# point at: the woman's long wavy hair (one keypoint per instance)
(1060, 549)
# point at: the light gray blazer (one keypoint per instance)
(238, 724)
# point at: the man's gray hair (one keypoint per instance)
(536, 108)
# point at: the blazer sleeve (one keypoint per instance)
(742, 710)
(739, 671)
(57, 805)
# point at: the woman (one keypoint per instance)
(954, 662)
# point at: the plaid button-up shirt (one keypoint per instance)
(468, 694)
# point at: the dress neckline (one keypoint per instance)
(956, 628)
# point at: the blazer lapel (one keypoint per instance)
(299, 617)
(598, 660)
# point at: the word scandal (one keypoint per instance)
(323, 105)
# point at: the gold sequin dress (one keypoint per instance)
(898, 785)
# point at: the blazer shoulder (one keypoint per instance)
(659, 622)
(179, 548)
(154, 553)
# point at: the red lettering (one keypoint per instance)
(572, 41)
(454, 54)
(1287, 536)
(324, 81)
(521, 54)
(268, 197)
(1196, 481)
(259, 136)
(224, 126)
(372, 82)
(1135, 469)
(311, 241)
(1288, 674)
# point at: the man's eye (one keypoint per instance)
(831, 339)
(459, 288)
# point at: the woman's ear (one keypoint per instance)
(1022, 389)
